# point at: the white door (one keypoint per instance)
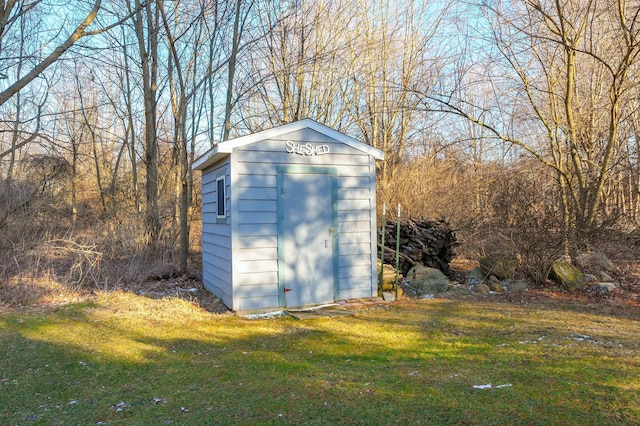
(308, 239)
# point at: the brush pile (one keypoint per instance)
(422, 242)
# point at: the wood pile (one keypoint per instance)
(422, 242)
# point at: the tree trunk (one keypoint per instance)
(149, 65)
(235, 43)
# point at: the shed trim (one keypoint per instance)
(221, 197)
(223, 149)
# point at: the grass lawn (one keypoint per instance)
(123, 359)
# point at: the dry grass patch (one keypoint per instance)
(19, 291)
(128, 305)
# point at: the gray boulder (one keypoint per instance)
(425, 280)
(567, 276)
(477, 274)
(502, 266)
(595, 261)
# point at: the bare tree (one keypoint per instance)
(397, 56)
(569, 68)
(301, 68)
(146, 20)
(11, 11)
(187, 33)
(238, 25)
(185, 38)
(354, 66)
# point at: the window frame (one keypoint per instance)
(221, 197)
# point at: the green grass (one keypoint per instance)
(124, 359)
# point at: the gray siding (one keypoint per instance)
(216, 235)
(255, 261)
(255, 237)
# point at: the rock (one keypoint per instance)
(477, 274)
(595, 261)
(590, 278)
(567, 276)
(425, 280)
(460, 291)
(388, 296)
(481, 288)
(502, 266)
(495, 286)
(606, 287)
(518, 285)
(604, 277)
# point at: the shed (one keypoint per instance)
(289, 218)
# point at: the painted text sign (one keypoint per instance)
(307, 148)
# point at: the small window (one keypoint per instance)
(222, 196)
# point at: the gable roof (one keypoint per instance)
(225, 148)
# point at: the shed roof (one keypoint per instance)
(223, 149)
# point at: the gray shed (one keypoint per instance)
(289, 218)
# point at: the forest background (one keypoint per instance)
(517, 121)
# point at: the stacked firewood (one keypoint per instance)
(422, 242)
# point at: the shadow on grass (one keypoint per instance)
(403, 364)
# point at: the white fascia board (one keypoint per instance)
(347, 140)
(210, 157)
(205, 159)
(223, 148)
